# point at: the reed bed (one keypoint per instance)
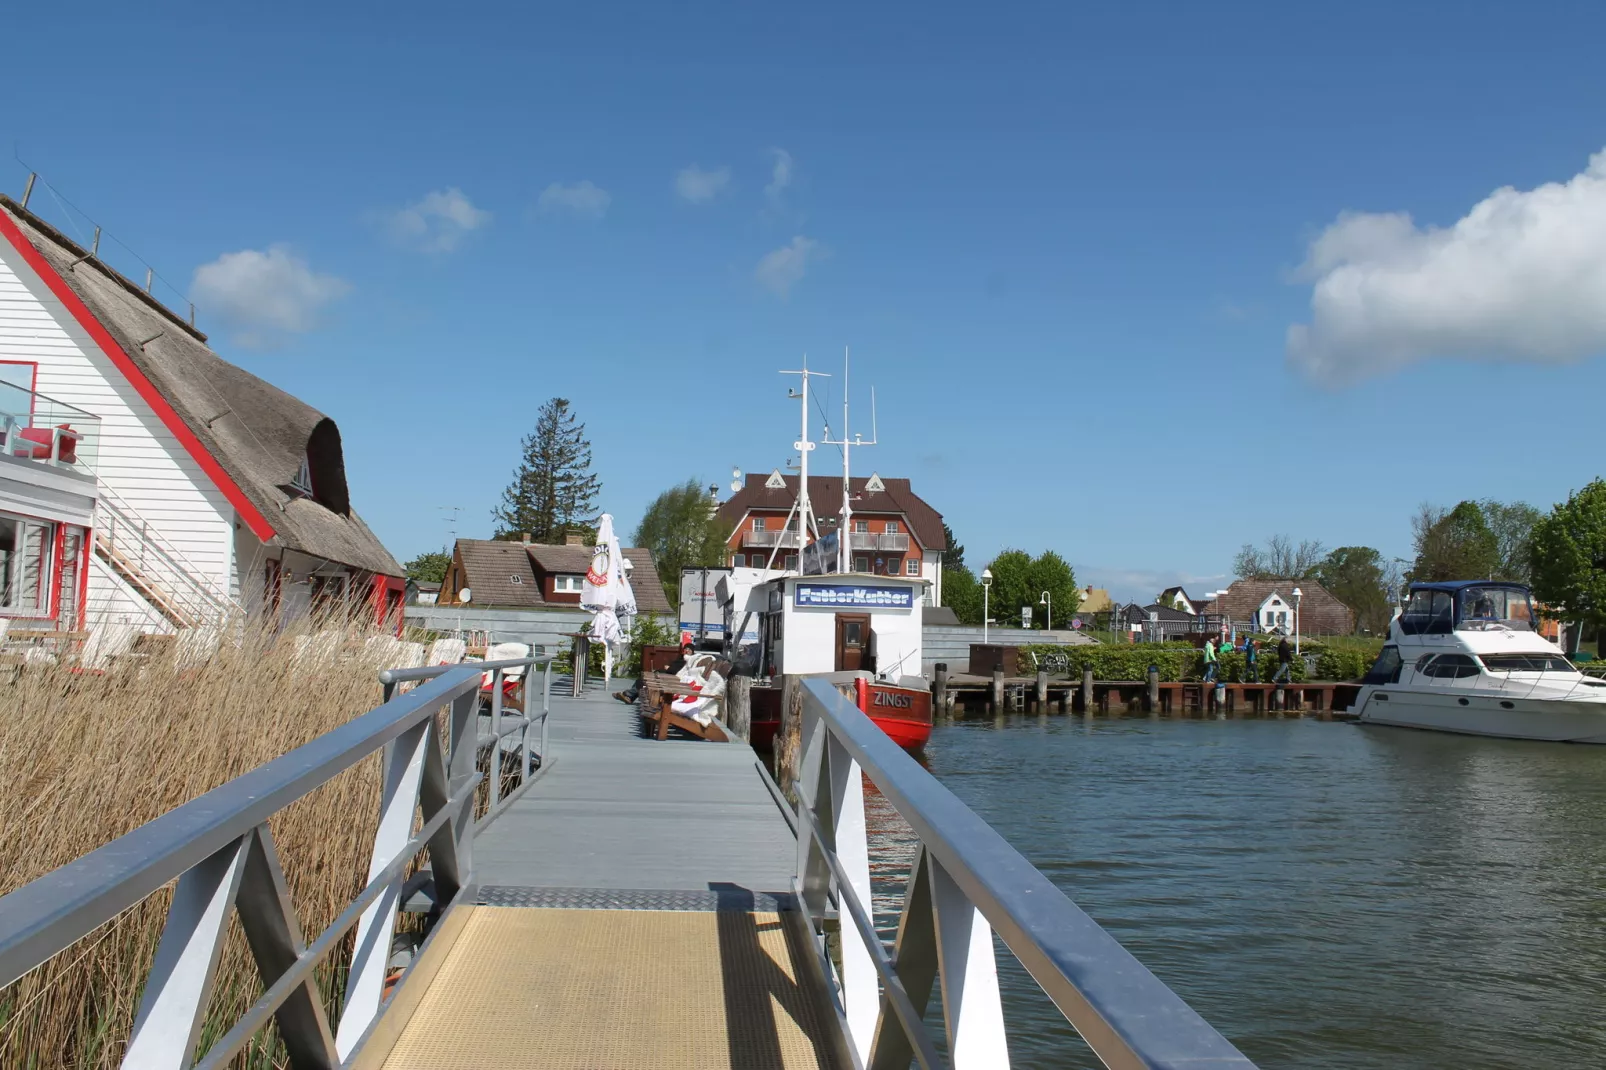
(88, 756)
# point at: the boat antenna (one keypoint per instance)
(801, 507)
(844, 552)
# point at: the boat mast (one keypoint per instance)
(844, 551)
(801, 507)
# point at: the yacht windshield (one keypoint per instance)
(1494, 607)
(1527, 663)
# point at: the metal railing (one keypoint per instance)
(519, 724)
(965, 885)
(177, 587)
(786, 540)
(36, 428)
(220, 850)
(863, 540)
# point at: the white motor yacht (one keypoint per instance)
(1464, 657)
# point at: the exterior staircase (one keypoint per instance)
(170, 583)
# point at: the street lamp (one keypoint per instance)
(986, 590)
(1048, 600)
(1297, 594)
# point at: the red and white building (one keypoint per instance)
(894, 531)
(145, 482)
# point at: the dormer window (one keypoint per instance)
(301, 485)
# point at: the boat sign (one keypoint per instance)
(835, 595)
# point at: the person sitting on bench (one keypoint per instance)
(633, 695)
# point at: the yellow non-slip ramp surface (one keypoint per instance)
(619, 990)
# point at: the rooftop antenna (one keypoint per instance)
(451, 512)
(801, 508)
(847, 442)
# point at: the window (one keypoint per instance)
(861, 564)
(1527, 663)
(862, 527)
(1450, 667)
(1482, 608)
(1271, 618)
(892, 527)
(894, 567)
(272, 585)
(791, 562)
(1386, 669)
(738, 560)
(567, 584)
(759, 523)
(912, 567)
(301, 485)
(1282, 618)
(69, 611)
(1426, 613)
(25, 563)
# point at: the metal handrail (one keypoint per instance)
(220, 850)
(966, 879)
(119, 516)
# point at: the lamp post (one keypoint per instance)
(986, 592)
(1047, 600)
(1297, 594)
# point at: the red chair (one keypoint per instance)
(43, 438)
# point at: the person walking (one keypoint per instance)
(1251, 661)
(1209, 660)
(1285, 662)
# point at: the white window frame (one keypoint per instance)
(738, 560)
(892, 527)
(911, 566)
(568, 584)
(759, 523)
(43, 609)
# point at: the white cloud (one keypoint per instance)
(261, 295)
(698, 186)
(781, 269)
(439, 222)
(583, 199)
(780, 175)
(1521, 277)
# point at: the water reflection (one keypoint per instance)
(1326, 895)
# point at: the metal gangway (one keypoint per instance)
(627, 903)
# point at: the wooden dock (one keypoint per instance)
(632, 907)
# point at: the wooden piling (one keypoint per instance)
(1087, 691)
(789, 738)
(939, 696)
(739, 707)
(1042, 690)
(998, 690)
(1151, 694)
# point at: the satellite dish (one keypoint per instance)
(736, 486)
(463, 595)
(736, 471)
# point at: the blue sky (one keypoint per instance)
(1066, 243)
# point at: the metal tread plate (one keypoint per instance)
(732, 898)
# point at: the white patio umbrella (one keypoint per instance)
(607, 593)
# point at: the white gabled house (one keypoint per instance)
(145, 482)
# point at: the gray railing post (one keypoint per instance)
(496, 736)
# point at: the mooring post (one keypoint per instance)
(1279, 700)
(1087, 691)
(1042, 690)
(789, 739)
(939, 689)
(739, 707)
(998, 690)
(1151, 698)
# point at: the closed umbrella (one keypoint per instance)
(607, 592)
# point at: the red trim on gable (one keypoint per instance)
(146, 389)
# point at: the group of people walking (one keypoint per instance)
(1251, 653)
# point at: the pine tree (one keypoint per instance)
(554, 491)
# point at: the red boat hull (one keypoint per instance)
(903, 713)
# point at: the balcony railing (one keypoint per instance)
(789, 540)
(36, 428)
(863, 540)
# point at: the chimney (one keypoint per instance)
(574, 538)
(524, 537)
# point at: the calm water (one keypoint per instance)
(1325, 895)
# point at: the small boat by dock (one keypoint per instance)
(901, 710)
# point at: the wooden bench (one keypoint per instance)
(661, 690)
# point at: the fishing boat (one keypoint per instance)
(861, 631)
(1464, 657)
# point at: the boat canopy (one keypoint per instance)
(1466, 605)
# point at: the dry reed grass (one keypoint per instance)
(86, 758)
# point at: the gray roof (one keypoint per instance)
(491, 565)
(257, 433)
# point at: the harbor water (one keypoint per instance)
(1326, 895)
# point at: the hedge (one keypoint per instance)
(1176, 661)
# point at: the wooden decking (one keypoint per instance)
(631, 908)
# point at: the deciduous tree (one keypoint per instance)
(1020, 580)
(682, 531)
(1513, 526)
(1569, 556)
(1358, 577)
(554, 491)
(429, 567)
(1454, 544)
(1280, 559)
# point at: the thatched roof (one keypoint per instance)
(257, 434)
